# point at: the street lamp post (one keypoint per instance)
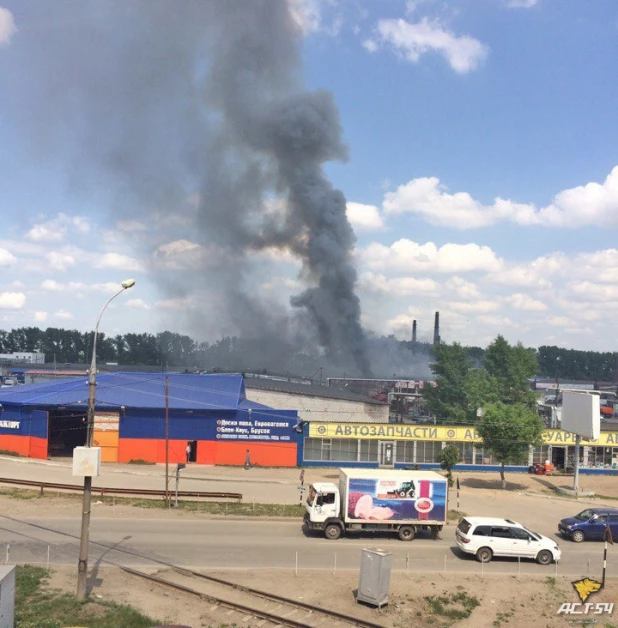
(82, 566)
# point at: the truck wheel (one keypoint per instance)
(544, 557)
(578, 536)
(402, 493)
(332, 531)
(484, 555)
(406, 533)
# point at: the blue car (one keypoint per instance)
(590, 525)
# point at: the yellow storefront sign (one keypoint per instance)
(442, 433)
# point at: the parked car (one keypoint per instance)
(590, 524)
(486, 537)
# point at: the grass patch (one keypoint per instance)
(20, 493)
(37, 606)
(455, 606)
(230, 509)
(139, 461)
(455, 515)
(6, 452)
(221, 508)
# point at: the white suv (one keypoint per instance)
(486, 537)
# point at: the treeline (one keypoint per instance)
(71, 346)
(167, 349)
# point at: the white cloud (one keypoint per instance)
(591, 291)
(309, 16)
(64, 315)
(524, 302)
(364, 217)
(56, 230)
(413, 40)
(131, 226)
(535, 274)
(408, 256)
(59, 261)
(590, 204)
(118, 261)
(7, 26)
(138, 304)
(461, 288)
(484, 305)
(176, 248)
(51, 285)
(40, 317)
(7, 258)
(12, 300)
(521, 4)
(399, 286)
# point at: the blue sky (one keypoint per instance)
(481, 179)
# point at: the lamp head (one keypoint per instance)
(128, 283)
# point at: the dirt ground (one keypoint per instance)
(507, 601)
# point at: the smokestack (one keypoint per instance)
(436, 329)
(414, 332)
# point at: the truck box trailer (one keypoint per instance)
(378, 500)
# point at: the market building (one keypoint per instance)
(143, 416)
(399, 446)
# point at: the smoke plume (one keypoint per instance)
(150, 102)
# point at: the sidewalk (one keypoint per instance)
(263, 485)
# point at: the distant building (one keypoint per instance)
(30, 358)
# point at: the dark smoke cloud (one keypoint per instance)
(150, 101)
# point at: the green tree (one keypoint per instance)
(480, 389)
(508, 431)
(512, 367)
(449, 457)
(447, 401)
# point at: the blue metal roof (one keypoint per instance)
(136, 390)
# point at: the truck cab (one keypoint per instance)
(323, 508)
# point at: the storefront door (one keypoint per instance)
(387, 453)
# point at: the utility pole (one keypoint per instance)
(82, 566)
(167, 440)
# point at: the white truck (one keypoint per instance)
(378, 500)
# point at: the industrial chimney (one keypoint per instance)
(414, 332)
(436, 330)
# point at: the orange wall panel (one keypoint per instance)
(15, 444)
(137, 449)
(262, 454)
(206, 452)
(209, 452)
(177, 451)
(105, 439)
(38, 448)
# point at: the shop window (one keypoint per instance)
(368, 451)
(540, 454)
(428, 451)
(405, 451)
(345, 450)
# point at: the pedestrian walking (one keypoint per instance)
(188, 450)
(248, 460)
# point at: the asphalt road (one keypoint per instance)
(260, 544)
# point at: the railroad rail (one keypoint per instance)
(102, 490)
(314, 615)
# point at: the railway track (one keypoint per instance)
(102, 490)
(250, 607)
